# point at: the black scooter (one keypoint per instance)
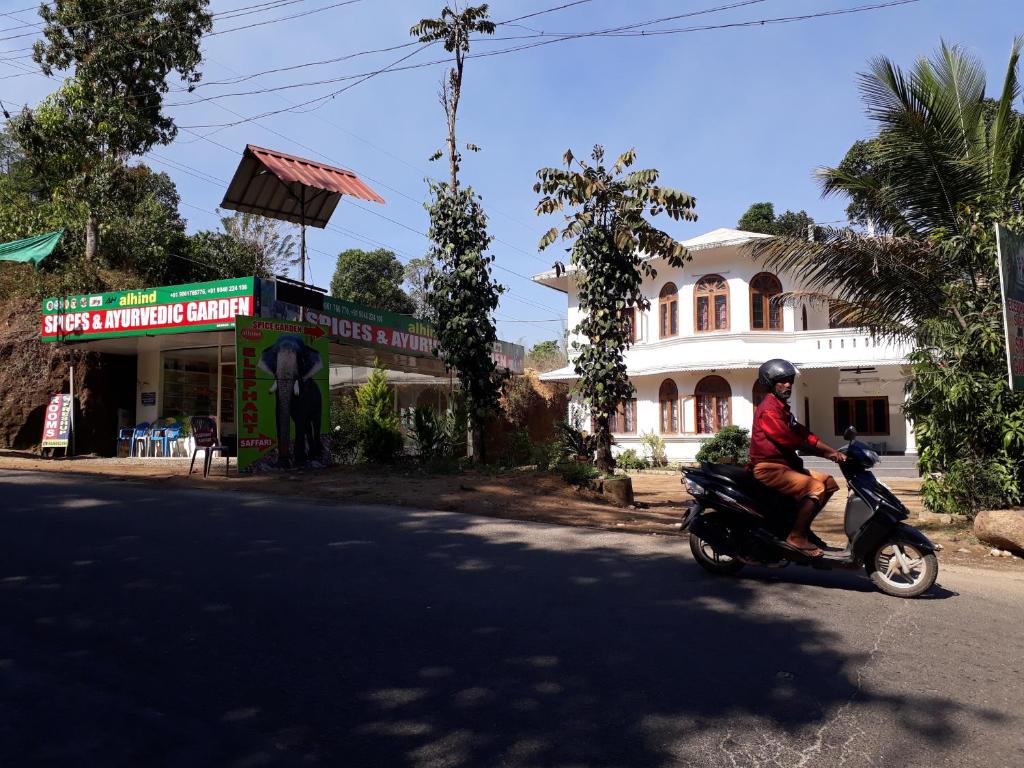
(736, 520)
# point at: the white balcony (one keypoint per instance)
(830, 348)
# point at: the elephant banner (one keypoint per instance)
(283, 394)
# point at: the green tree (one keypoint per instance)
(144, 231)
(417, 271)
(545, 356)
(110, 108)
(945, 166)
(271, 244)
(380, 434)
(218, 255)
(462, 299)
(462, 292)
(760, 217)
(612, 253)
(373, 278)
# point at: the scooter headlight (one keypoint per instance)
(695, 489)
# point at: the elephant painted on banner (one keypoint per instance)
(293, 366)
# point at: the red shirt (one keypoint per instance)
(777, 435)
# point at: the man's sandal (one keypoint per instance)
(805, 552)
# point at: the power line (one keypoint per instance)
(210, 179)
(232, 13)
(284, 18)
(347, 57)
(624, 30)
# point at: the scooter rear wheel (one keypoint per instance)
(710, 560)
(900, 569)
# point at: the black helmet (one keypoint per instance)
(775, 371)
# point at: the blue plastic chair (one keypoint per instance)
(139, 435)
(160, 434)
(171, 435)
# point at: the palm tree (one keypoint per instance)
(944, 158)
(946, 166)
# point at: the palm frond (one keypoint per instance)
(884, 283)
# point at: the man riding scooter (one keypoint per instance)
(775, 439)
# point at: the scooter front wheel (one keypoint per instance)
(900, 569)
(710, 560)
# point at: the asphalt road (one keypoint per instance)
(150, 627)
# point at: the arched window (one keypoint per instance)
(711, 304)
(760, 390)
(668, 400)
(713, 411)
(765, 314)
(668, 311)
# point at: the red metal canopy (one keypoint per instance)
(294, 189)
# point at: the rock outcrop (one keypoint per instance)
(31, 370)
(1002, 528)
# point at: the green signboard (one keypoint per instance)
(352, 323)
(283, 394)
(347, 321)
(170, 309)
(1011, 278)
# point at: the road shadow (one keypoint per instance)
(193, 629)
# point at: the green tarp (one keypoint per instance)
(31, 250)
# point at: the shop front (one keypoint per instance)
(183, 342)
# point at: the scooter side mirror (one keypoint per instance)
(850, 434)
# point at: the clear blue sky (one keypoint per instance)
(732, 116)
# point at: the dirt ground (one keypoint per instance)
(513, 494)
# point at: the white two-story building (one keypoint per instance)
(710, 325)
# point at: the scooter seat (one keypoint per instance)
(743, 480)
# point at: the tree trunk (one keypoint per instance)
(604, 459)
(476, 444)
(92, 237)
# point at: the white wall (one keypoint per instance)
(739, 350)
(148, 380)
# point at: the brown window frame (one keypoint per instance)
(613, 420)
(697, 395)
(668, 311)
(843, 420)
(629, 314)
(699, 292)
(765, 300)
(674, 415)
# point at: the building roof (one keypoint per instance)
(568, 373)
(273, 184)
(721, 237)
(717, 238)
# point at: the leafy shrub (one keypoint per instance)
(969, 486)
(730, 444)
(545, 454)
(431, 432)
(654, 447)
(574, 442)
(345, 432)
(380, 435)
(628, 459)
(519, 397)
(576, 472)
(520, 448)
